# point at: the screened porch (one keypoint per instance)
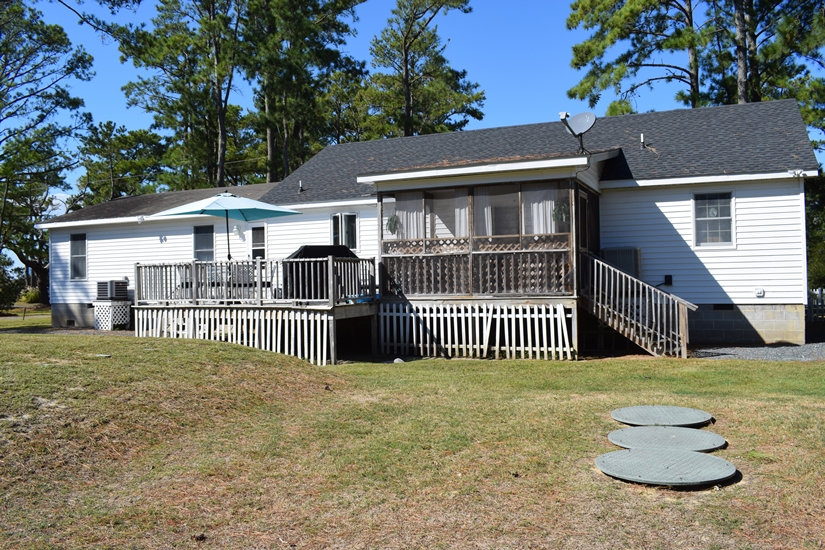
(513, 239)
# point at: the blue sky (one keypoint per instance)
(518, 52)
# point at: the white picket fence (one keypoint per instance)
(816, 305)
(302, 333)
(514, 331)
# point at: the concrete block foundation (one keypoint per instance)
(747, 324)
(73, 315)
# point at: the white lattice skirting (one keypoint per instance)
(431, 329)
(110, 314)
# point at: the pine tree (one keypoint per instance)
(421, 93)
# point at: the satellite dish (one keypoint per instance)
(578, 125)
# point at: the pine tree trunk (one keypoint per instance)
(270, 137)
(285, 148)
(693, 60)
(754, 80)
(741, 51)
(405, 80)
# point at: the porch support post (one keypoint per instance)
(331, 280)
(258, 276)
(374, 334)
(138, 289)
(378, 265)
(333, 339)
(194, 282)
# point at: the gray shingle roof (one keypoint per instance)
(145, 205)
(754, 138)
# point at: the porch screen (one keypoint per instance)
(495, 210)
(545, 209)
(446, 214)
(409, 208)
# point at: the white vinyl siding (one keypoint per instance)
(112, 250)
(768, 249)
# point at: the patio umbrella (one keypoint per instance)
(227, 205)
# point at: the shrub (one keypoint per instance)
(11, 283)
(31, 295)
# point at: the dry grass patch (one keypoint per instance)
(196, 444)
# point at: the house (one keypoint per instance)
(511, 241)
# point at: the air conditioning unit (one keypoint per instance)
(113, 290)
(628, 260)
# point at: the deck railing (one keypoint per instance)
(520, 273)
(318, 280)
(653, 319)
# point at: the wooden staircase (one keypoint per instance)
(651, 318)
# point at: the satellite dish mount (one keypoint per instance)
(578, 125)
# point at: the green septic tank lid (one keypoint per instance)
(665, 467)
(661, 415)
(666, 437)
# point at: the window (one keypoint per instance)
(77, 254)
(713, 219)
(343, 230)
(258, 242)
(204, 243)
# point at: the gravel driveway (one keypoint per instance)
(808, 352)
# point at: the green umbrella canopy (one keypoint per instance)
(227, 205)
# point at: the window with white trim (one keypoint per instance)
(258, 242)
(714, 219)
(205, 243)
(344, 230)
(77, 253)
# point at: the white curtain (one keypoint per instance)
(462, 219)
(482, 212)
(410, 212)
(538, 207)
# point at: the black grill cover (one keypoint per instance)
(322, 251)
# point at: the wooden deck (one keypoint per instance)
(285, 306)
(321, 281)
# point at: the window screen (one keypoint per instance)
(713, 219)
(258, 242)
(204, 243)
(495, 210)
(78, 256)
(344, 230)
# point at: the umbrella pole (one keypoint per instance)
(228, 251)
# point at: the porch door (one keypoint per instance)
(582, 223)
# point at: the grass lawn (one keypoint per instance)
(119, 442)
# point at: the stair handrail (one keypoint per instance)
(652, 318)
